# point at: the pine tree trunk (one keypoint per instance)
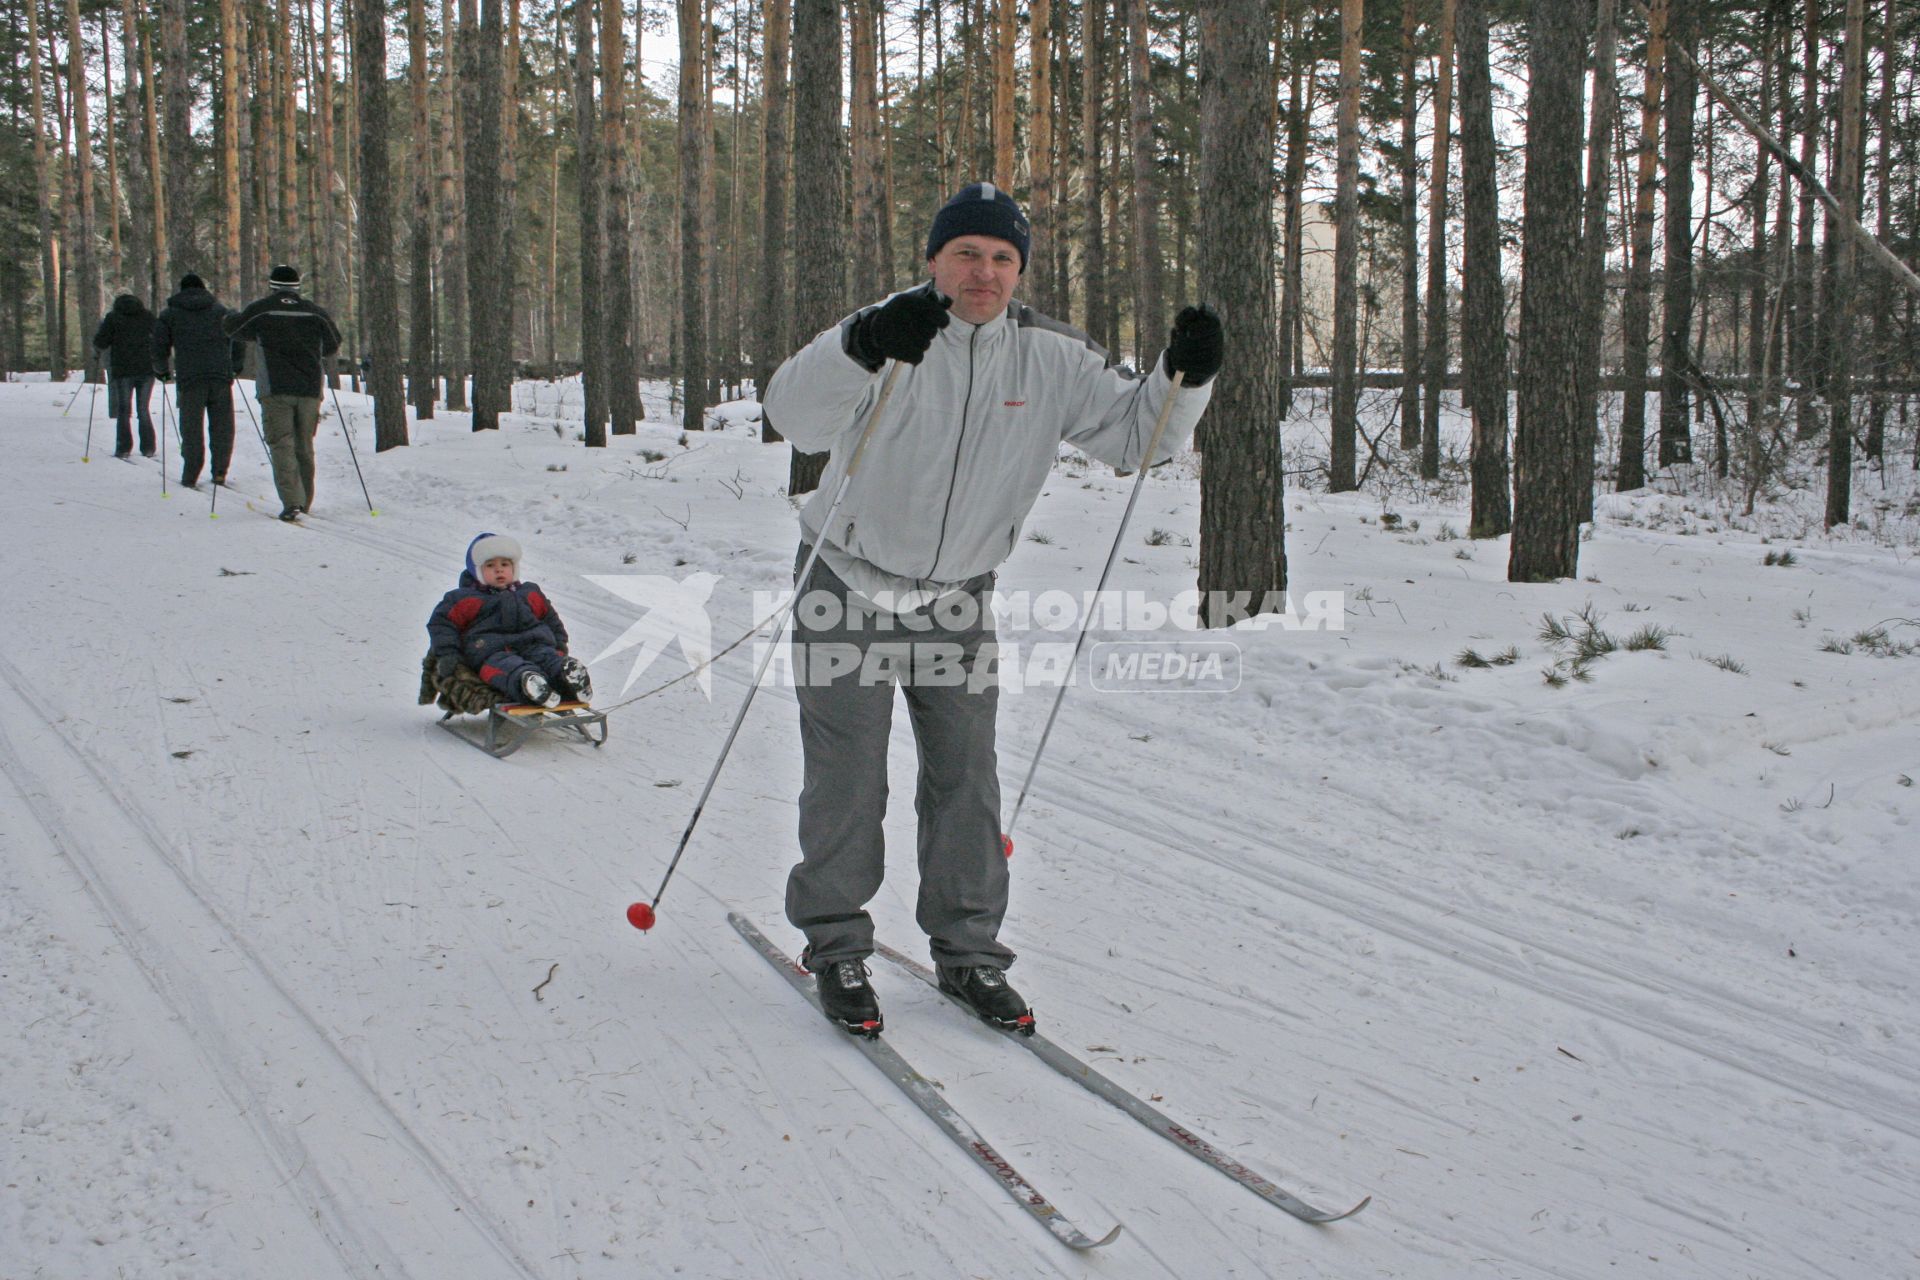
(1346, 255)
(89, 359)
(253, 249)
(266, 135)
(1842, 311)
(321, 168)
(1676, 313)
(1093, 254)
(139, 178)
(506, 291)
(1803, 334)
(452, 209)
(1553, 337)
(1881, 344)
(44, 201)
(773, 320)
(178, 100)
(734, 339)
(1409, 232)
(230, 119)
(1006, 23)
(819, 151)
(488, 251)
(1149, 306)
(864, 249)
(887, 118)
(420, 365)
(623, 375)
(117, 272)
(1636, 305)
(157, 225)
(1040, 158)
(86, 265)
(980, 105)
(287, 114)
(593, 366)
(380, 303)
(1759, 329)
(1593, 244)
(1293, 179)
(693, 209)
(1242, 508)
(1436, 353)
(1483, 362)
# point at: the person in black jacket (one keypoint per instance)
(295, 336)
(205, 362)
(126, 335)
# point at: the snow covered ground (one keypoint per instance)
(1608, 979)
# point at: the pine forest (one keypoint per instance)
(1629, 237)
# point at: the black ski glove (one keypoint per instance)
(446, 666)
(903, 329)
(1197, 345)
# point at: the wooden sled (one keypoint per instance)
(510, 724)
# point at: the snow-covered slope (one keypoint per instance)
(1601, 980)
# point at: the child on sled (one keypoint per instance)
(504, 630)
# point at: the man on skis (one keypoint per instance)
(296, 338)
(968, 437)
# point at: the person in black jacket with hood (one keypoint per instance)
(126, 335)
(205, 362)
(295, 336)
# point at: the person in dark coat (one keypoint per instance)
(504, 629)
(126, 335)
(296, 337)
(204, 364)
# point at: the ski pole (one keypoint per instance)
(213, 483)
(86, 450)
(1139, 481)
(85, 382)
(640, 914)
(166, 424)
(348, 433)
(248, 404)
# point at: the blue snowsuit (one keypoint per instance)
(498, 631)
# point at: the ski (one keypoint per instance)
(1179, 1135)
(927, 1096)
(300, 523)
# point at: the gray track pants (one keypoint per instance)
(846, 668)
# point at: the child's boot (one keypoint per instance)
(533, 687)
(574, 680)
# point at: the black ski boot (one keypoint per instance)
(846, 997)
(534, 688)
(983, 989)
(574, 680)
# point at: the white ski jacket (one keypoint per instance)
(967, 440)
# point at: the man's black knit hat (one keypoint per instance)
(981, 209)
(284, 277)
(192, 281)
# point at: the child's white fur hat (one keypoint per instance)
(492, 546)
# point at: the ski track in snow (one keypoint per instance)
(146, 882)
(1511, 959)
